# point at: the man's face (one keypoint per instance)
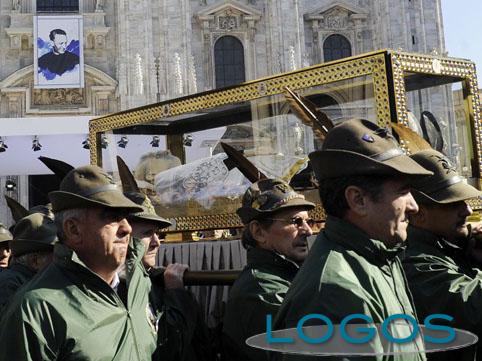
(147, 232)
(448, 220)
(60, 43)
(104, 236)
(387, 218)
(4, 255)
(286, 238)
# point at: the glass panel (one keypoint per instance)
(264, 130)
(57, 5)
(437, 112)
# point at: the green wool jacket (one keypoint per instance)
(11, 280)
(442, 280)
(346, 273)
(258, 291)
(67, 312)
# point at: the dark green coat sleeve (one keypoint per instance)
(246, 316)
(7, 289)
(182, 332)
(439, 286)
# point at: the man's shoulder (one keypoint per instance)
(46, 56)
(47, 282)
(14, 277)
(246, 282)
(419, 252)
(71, 56)
(329, 267)
(328, 271)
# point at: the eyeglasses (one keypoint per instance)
(296, 221)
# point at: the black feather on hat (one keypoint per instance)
(132, 191)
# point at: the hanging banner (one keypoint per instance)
(58, 52)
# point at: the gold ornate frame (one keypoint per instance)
(386, 68)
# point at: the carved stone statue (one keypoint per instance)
(99, 5)
(16, 5)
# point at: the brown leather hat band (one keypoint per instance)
(106, 188)
(444, 184)
(389, 154)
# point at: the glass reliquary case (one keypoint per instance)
(174, 150)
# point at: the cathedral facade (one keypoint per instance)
(138, 52)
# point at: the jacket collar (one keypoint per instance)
(258, 257)
(345, 233)
(67, 258)
(420, 235)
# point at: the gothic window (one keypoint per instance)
(57, 6)
(228, 61)
(336, 47)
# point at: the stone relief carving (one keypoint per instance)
(102, 106)
(337, 19)
(58, 97)
(227, 22)
(14, 108)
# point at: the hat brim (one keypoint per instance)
(334, 163)
(247, 214)
(5, 240)
(62, 200)
(23, 246)
(144, 216)
(455, 193)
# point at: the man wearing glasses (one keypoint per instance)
(276, 228)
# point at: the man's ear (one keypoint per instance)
(258, 232)
(73, 232)
(357, 200)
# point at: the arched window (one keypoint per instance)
(57, 5)
(228, 61)
(336, 47)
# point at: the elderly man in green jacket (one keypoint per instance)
(353, 266)
(71, 310)
(443, 267)
(32, 249)
(275, 235)
(182, 332)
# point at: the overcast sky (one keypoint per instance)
(463, 31)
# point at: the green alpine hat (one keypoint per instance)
(33, 233)
(5, 235)
(148, 213)
(267, 196)
(445, 185)
(360, 147)
(89, 186)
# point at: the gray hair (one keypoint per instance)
(247, 239)
(62, 216)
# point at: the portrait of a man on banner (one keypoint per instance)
(58, 52)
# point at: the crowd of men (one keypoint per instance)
(77, 285)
